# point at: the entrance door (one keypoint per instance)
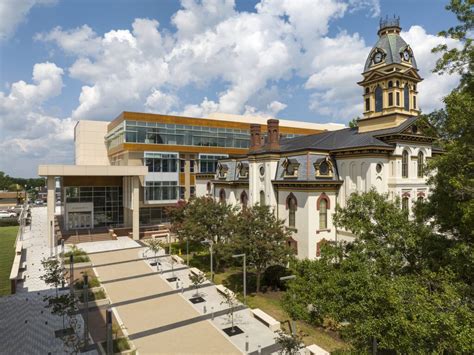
(80, 220)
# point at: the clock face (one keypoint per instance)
(377, 57)
(406, 55)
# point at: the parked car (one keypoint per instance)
(39, 202)
(6, 214)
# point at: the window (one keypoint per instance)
(397, 84)
(244, 199)
(414, 101)
(405, 164)
(161, 163)
(262, 170)
(397, 98)
(406, 98)
(405, 204)
(390, 84)
(390, 99)
(161, 190)
(208, 163)
(378, 99)
(420, 198)
(323, 214)
(292, 205)
(378, 168)
(262, 198)
(222, 196)
(366, 90)
(421, 163)
(367, 104)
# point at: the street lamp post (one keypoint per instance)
(210, 242)
(187, 251)
(285, 278)
(245, 274)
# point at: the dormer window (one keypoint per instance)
(243, 170)
(324, 167)
(222, 171)
(290, 167)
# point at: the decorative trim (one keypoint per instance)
(323, 196)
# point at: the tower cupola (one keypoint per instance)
(390, 80)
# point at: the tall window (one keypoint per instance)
(378, 99)
(222, 196)
(244, 199)
(161, 163)
(262, 198)
(397, 97)
(405, 204)
(414, 101)
(421, 163)
(323, 214)
(405, 164)
(406, 97)
(292, 206)
(367, 104)
(390, 99)
(161, 190)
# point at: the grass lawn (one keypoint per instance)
(7, 254)
(268, 302)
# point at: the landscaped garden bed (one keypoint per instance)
(80, 256)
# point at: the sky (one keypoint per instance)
(66, 60)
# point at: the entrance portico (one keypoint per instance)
(95, 196)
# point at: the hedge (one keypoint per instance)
(7, 222)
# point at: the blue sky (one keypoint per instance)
(88, 59)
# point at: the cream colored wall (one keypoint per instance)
(90, 148)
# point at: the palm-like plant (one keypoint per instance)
(155, 245)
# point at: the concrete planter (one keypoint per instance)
(103, 351)
(93, 289)
(77, 266)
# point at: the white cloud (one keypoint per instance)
(27, 133)
(160, 102)
(13, 12)
(275, 107)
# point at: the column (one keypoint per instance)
(51, 184)
(136, 208)
(187, 178)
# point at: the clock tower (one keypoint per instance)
(390, 80)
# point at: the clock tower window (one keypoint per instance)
(378, 99)
(406, 98)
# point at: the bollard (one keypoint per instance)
(109, 332)
(204, 309)
(259, 349)
(247, 343)
(212, 314)
(177, 285)
(182, 288)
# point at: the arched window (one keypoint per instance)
(292, 205)
(323, 215)
(421, 163)
(378, 99)
(262, 198)
(405, 164)
(390, 84)
(405, 203)
(222, 196)
(244, 199)
(323, 206)
(406, 97)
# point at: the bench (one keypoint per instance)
(315, 350)
(195, 271)
(269, 321)
(224, 290)
(177, 259)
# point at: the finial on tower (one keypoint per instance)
(389, 25)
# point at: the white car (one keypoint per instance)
(5, 214)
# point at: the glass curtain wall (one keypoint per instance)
(208, 162)
(108, 206)
(161, 190)
(161, 162)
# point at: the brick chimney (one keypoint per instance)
(273, 134)
(255, 137)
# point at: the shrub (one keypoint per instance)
(92, 282)
(93, 296)
(80, 256)
(7, 222)
(271, 277)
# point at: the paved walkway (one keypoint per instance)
(165, 324)
(26, 326)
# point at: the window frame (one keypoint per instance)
(405, 164)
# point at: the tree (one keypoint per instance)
(53, 273)
(231, 302)
(155, 245)
(197, 280)
(263, 238)
(289, 344)
(386, 286)
(205, 219)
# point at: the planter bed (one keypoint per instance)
(119, 349)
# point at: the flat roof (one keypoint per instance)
(92, 170)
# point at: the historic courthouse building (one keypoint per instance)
(303, 178)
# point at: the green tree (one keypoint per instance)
(385, 285)
(155, 245)
(205, 219)
(263, 238)
(289, 344)
(197, 280)
(53, 273)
